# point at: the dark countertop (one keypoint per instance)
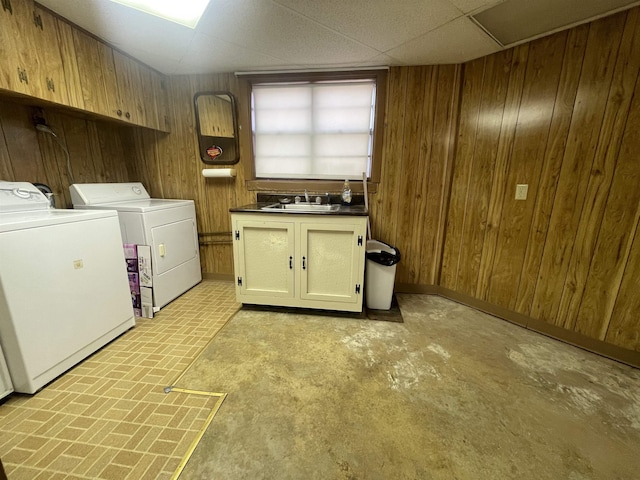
(353, 210)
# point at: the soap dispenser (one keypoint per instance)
(346, 193)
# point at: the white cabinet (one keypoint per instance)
(309, 261)
(264, 255)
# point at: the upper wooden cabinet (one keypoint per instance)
(37, 54)
(48, 71)
(46, 58)
(155, 100)
(114, 84)
(70, 64)
(97, 74)
(15, 59)
(140, 92)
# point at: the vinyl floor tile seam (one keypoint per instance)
(93, 399)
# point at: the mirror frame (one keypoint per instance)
(206, 141)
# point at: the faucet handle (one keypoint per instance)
(318, 200)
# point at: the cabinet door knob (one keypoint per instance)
(119, 112)
(128, 115)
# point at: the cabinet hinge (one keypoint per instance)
(359, 240)
(6, 5)
(237, 234)
(358, 288)
(22, 76)
(50, 85)
(239, 281)
(37, 20)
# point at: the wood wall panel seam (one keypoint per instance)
(622, 330)
(577, 160)
(452, 128)
(599, 187)
(560, 123)
(493, 98)
(526, 158)
(461, 172)
(495, 208)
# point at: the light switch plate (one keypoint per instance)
(521, 191)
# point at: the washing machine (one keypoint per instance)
(64, 290)
(168, 226)
(6, 386)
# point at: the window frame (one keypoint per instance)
(294, 185)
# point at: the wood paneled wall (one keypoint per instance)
(560, 114)
(169, 164)
(408, 211)
(96, 150)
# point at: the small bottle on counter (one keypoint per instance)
(346, 193)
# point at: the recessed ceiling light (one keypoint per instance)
(184, 12)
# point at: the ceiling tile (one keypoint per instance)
(379, 24)
(215, 56)
(269, 28)
(455, 42)
(472, 6)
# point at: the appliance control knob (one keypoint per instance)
(136, 190)
(18, 192)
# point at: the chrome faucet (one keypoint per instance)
(306, 196)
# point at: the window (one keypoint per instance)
(321, 127)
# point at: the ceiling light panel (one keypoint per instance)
(183, 12)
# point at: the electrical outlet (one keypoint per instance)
(521, 191)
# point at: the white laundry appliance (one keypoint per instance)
(168, 226)
(64, 291)
(6, 386)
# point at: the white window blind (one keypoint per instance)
(318, 130)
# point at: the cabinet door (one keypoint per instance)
(264, 259)
(130, 90)
(97, 75)
(158, 102)
(70, 64)
(30, 50)
(17, 49)
(331, 258)
(48, 71)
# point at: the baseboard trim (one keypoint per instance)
(218, 276)
(599, 347)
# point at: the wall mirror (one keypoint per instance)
(217, 127)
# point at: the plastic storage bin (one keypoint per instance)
(380, 274)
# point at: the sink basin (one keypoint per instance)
(302, 207)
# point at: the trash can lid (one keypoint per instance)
(382, 253)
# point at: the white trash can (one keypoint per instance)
(380, 274)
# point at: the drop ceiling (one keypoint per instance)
(255, 35)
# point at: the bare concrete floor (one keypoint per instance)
(451, 393)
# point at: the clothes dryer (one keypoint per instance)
(167, 225)
(64, 291)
